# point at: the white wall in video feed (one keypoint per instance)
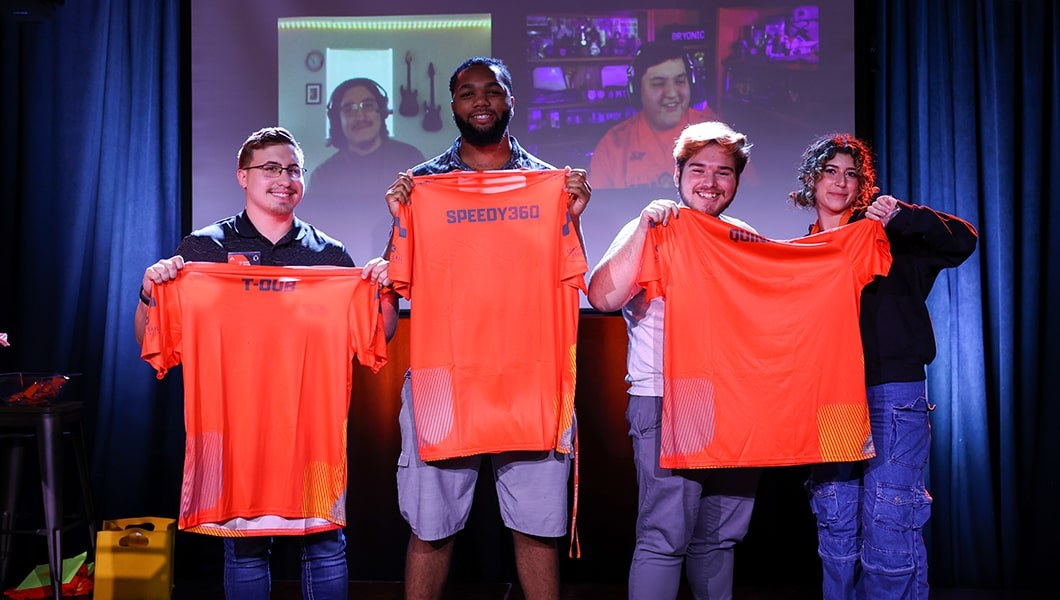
(780, 71)
(398, 54)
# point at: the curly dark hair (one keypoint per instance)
(824, 149)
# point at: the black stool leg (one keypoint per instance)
(78, 437)
(13, 452)
(49, 437)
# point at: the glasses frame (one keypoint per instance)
(263, 166)
(351, 108)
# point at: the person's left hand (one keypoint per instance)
(883, 209)
(577, 185)
(377, 270)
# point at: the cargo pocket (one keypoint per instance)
(898, 519)
(911, 434)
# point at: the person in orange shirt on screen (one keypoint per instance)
(638, 151)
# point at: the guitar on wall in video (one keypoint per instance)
(410, 104)
(432, 118)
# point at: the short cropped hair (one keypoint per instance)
(697, 136)
(504, 76)
(824, 149)
(265, 137)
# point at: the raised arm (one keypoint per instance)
(160, 272)
(951, 238)
(614, 280)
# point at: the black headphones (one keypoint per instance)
(652, 53)
(376, 89)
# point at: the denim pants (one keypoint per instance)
(871, 515)
(324, 575)
(689, 518)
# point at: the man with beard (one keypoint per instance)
(637, 151)
(685, 517)
(435, 498)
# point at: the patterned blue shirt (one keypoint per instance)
(449, 161)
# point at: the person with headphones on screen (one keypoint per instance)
(368, 158)
(637, 151)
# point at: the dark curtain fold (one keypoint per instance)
(967, 114)
(966, 119)
(99, 201)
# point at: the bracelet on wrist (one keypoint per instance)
(144, 297)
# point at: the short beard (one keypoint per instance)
(491, 136)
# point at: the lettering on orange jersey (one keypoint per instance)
(491, 214)
(738, 235)
(269, 285)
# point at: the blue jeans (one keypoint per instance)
(871, 515)
(688, 517)
(324, 575)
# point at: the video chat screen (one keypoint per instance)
(364, 87)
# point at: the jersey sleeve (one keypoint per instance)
(573, 267)
(164, 330)
(651, 264)
(365, 321)
(869, 250)
(401, 252)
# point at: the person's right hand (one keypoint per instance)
(398, 193)
(659, 212)
(161, 272)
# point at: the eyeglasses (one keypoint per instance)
(353, 108)
(273, 170)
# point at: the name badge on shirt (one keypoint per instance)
(244, 258)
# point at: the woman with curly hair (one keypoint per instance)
(871, 514)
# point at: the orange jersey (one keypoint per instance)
(633, 154)
(492, 266)
(762, 358)
(267, 355)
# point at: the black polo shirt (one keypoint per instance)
(303, 245)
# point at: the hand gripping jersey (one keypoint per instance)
(267, 354)
(762, 358)
(492, 266)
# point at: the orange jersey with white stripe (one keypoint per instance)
(762, 359)
(267, 357)
(492, 266)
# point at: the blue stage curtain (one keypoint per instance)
(966, 121)
(100, 200)
(967, 117)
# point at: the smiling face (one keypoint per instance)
(273, 196)
(362, 119)
(837, 187)
(708, 180)
(665, 93)
(482, 106)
